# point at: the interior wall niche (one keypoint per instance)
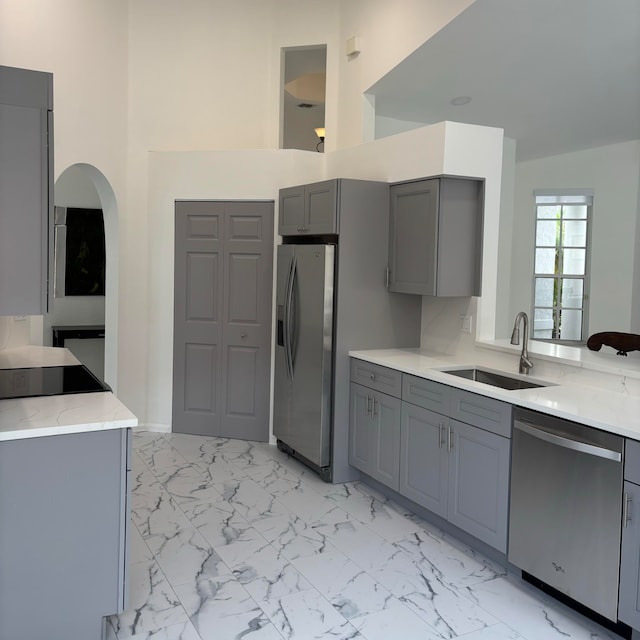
(303, 97)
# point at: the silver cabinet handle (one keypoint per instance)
(449, 438)
(373, 376)
(375, 411)
(243, 335)
(369, 411)
(440, 438)
(627, 509)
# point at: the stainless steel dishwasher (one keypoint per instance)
(566, 507)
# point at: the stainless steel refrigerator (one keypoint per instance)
(304, 358)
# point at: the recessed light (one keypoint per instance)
(460, 100)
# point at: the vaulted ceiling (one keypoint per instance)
(557, 75)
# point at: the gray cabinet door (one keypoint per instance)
(310, 209)
(63, 509)
(479, 484)
(413, 237)
(435, 237)
(629, 595)
(385, 439)
(321, 207)
(424, 460)
(291, 218)
(360, 428)
(222, 318)
(26, 183)
(374, 436)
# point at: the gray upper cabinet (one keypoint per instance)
(310, 209)
(26, 189)
(435, 236)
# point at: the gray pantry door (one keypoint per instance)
(222, 318)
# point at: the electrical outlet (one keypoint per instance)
(465, 323)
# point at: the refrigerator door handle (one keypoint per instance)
(287, 319)
(293, 342)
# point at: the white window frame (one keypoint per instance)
(546, 197)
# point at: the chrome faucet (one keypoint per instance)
(525, 363)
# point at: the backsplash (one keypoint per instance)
(441, 333)
(13, 334)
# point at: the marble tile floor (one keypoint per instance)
(236, 540)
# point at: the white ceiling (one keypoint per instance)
(557, 75)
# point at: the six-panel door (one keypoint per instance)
(222, 318)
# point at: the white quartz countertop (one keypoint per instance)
(56, 415)
(615, 412)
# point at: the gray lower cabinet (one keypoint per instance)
(629, 593)
(424, 459)
(26, 189)
(435, 236)
(310, 209)
(64, 514)
(374, 443)
(457, 471)
(479, 483)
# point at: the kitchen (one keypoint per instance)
(91, 126)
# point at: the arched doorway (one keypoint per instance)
(83, 186)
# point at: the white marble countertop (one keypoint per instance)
(604, 409)
(56, 415)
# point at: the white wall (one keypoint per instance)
(259, 175)
(133, 76)
(613, 173)
(389, 30)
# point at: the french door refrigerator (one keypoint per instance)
(304, 358)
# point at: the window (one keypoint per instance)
(560, 281)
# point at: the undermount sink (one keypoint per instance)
(501, 380)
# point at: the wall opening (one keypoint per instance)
(83, 187)
(303, 97)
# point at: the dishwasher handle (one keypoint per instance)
(568, 443)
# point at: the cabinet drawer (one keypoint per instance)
(632, 461)
(479, 411)
(426, 394)
(376, 377)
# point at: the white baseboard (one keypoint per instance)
(158, 428)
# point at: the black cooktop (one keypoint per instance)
(48, 381)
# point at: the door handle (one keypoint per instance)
(375, 412)
(440, 438)
(627, 517)
(287, 319)
(243, 335)
(369, 412)
(449, 439)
